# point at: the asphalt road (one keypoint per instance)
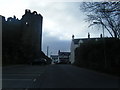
(55, 76)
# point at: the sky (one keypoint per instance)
(61, 20)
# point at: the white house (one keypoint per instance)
(63, 57)
(76, 43)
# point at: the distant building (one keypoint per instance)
(63, 57)
(54, 58)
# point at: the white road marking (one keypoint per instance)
(21, 73)
(34, 80)
(18, 79)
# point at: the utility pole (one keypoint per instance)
(47, 50)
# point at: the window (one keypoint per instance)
(26, 23)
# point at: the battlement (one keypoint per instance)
(27, 11)
(27, 14)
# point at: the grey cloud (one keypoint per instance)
(55, 45)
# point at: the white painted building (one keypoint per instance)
(62, 57)
(76, 43)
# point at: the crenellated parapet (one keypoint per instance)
(28, 12)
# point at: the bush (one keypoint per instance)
(103, 54)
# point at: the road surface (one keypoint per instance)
(55, 76)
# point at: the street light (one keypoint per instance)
(102, 26)
(103, 41)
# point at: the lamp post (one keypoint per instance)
(102, 27)
(104, 51)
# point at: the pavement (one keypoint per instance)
(55, 76)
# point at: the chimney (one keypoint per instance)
(73, 37)
(100, 35)
(88, 35)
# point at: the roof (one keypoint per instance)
(54, 56)
(64, 53)
(76, 41)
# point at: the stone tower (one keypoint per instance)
(32, 30)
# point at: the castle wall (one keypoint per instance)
(22, 39)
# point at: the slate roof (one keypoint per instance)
(54, 56)
(64, 53)
(76, 41)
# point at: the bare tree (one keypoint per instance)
(106, 14)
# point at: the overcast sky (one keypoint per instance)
(61, 20)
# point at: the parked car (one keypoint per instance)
(40, 61)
